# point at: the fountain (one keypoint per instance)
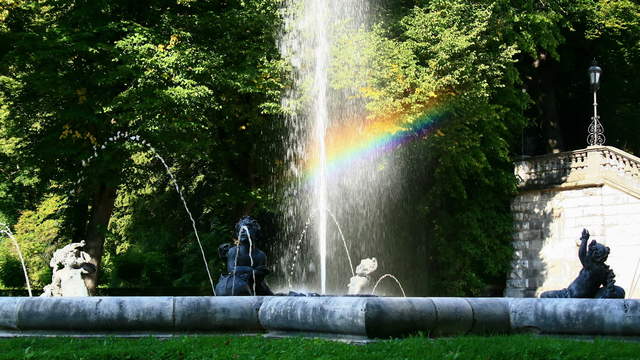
(244, 233)
(246, 264)
(359, 277)
(323, 193)
(327, 125)
(388, 276)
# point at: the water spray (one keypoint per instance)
(4, 229)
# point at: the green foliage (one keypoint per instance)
(447, 60)
(11, 275)
(480, 63)
(613, 29)
(39, 232)
(195, 79)
(470, 189)
(139, 267)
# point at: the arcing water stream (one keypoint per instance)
(5, 230)
(123, 136)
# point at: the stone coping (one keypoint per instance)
(363, 317)
(592, 166)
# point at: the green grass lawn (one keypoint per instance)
(256, 347)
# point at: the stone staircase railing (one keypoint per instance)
(593, 166)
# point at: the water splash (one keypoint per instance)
(635, 279)
(297, 249)
(388, 276)
(253, 272)
(235, 265)
(302, 236)
(344, 242)
(235, 261)
(246, 230)
(311, 32)
(4, 229)
(136, 139)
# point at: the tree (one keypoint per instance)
(493, 67)
(76, 73)
(445, 62)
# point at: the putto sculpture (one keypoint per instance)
(595, 280)
(361, 279)
(246, 264)
(69, 264)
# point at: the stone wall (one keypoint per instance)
(596, 188)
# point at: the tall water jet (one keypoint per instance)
(321, 119)
(312, 29)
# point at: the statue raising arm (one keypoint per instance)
(582, 252)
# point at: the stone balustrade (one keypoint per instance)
(595, 165)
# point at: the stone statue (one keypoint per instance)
(361, 279)
(69, 264)
(595, 280)
(246, 264)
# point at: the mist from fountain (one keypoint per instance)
(299, 243)
(312, 30)
(346, 248)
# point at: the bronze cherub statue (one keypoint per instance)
(595, 280)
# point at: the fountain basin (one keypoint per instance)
(381, 317)
(126, 314)
(365, 317)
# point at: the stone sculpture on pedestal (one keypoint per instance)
(595, 280)
(361, 279)
(246, 264)
(69, 264)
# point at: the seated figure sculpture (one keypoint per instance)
(246, 264)
(595, 280)
(69, 264)
(361, 279)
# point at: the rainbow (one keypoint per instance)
(372, 138)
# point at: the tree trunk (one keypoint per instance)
(79, 221)
(101, 209)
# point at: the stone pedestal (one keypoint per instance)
(597, 188)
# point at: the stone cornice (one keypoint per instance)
(591, 167)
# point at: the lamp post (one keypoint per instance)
(596, 130)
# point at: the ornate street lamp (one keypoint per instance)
(596, 131)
